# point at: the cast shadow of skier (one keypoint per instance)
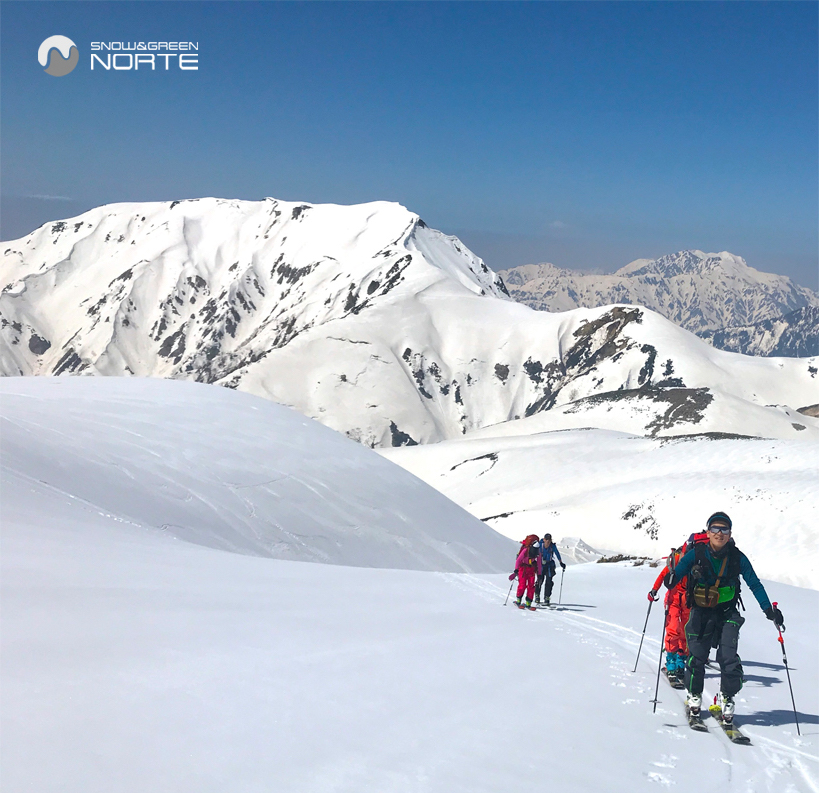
(762, 680)
(775, 718)
(574, 607)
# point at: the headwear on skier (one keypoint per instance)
(547, 536)
(718, 519)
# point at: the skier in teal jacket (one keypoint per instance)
(713, 571)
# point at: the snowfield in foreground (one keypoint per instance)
(635, 495)
(139, 655)
(228, 470)
(135, 662)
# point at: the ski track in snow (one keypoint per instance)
(771, 758)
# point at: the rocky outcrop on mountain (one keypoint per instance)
(794, 335)
(698, 291)
(361, 317)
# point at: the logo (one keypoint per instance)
(58, 55)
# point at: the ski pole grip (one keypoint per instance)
(775, 604)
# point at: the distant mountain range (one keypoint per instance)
(715, 295)
(367, 320)
(795, 335)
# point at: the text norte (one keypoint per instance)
(131, 55)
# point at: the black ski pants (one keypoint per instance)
(707, 628)
(547, 581)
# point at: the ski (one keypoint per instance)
(673, 681)
(730, 730)
(695, 721)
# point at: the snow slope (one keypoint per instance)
(636, 495)
(361, 317)
(227, 470)
(698, 291)
(134, 662)
(140, 659)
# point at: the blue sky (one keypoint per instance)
(583, 133)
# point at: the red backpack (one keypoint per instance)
(529, 544)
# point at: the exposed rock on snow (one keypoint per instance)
(226, 470)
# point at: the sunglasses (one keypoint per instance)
(719, 529)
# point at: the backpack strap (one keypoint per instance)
(722, 570)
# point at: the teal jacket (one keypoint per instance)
(731, 577)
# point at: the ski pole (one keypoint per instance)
(787, 671)
(509, 592)
(639, 649)
(560, 596)
(660, 662)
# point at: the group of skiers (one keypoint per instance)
(702, 578)
(535, 570)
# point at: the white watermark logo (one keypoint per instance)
(58, 55)
(124, 56)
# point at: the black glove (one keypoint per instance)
(652, 595)
(775, 615)
(562, 566)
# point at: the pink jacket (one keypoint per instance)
(523, 560)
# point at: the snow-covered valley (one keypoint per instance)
(138, 659)
(635, 495)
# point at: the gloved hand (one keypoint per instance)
(562, 565)
(513, 576)
(652, 595)
(775, 615)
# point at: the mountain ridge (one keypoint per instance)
(362, 317)
(702, 292)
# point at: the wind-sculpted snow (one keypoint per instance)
(361, 317)
(702, 292)
(634, 495)
(226, 470)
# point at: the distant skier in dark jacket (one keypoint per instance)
(713, 570)
(546, 578)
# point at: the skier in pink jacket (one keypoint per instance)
(527, 565)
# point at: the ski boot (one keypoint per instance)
(692, 708)
(547, 601)
(518, 603)
(530, 606)
(537, 601)
(727, 706)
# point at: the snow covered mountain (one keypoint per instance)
(224, 470)
(361, 317)
(698, 291)
(795, 334)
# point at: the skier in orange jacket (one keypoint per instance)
(676, 645)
